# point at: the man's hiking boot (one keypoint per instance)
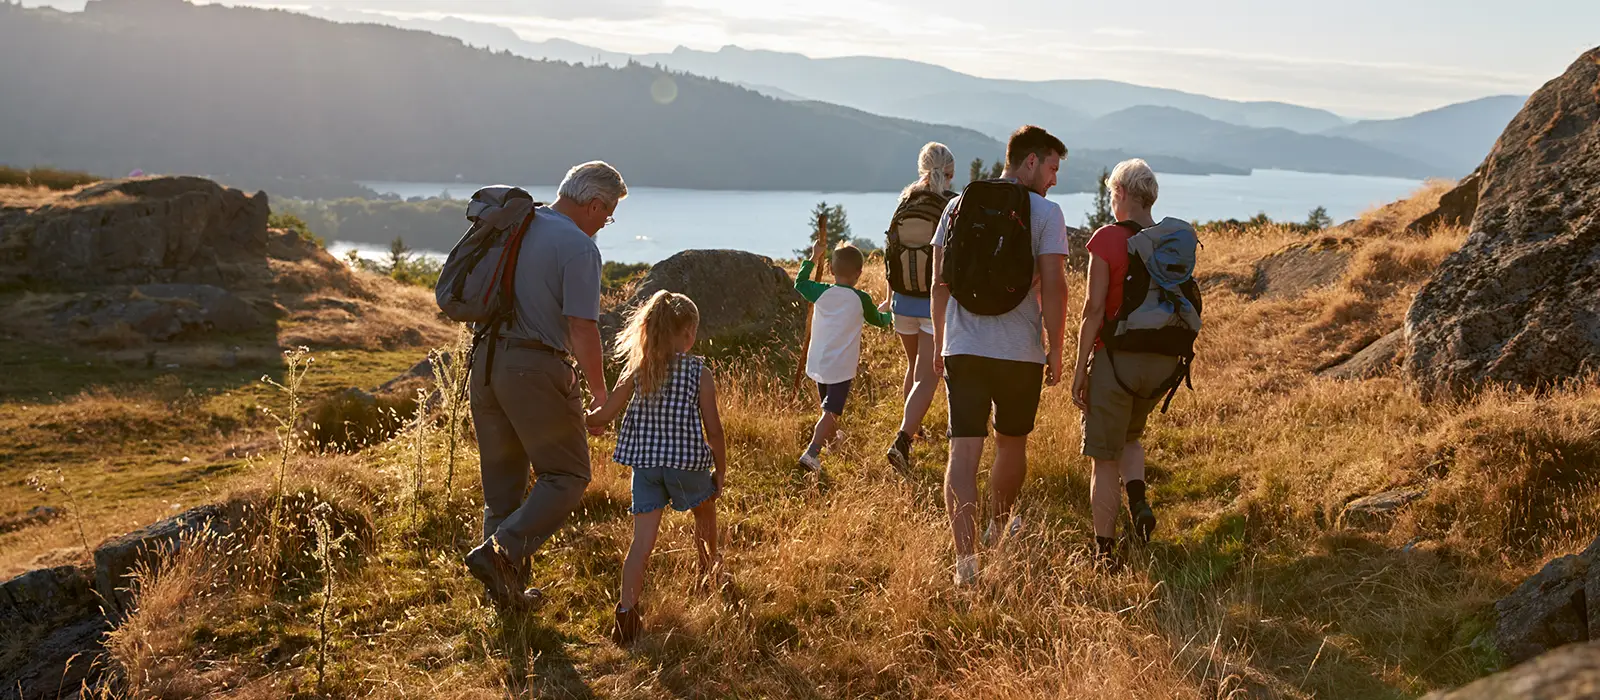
(900, 453)
(811, 463)
(1105, 554)
(1144, 520)
(630, 623)
(500, 578)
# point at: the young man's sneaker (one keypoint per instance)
(811, 463)
(630, 623)
(966, 570)
(992, 536)
(1144, 520)
(900, 452)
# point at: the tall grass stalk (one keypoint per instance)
(53, 480)
(450, 375)
(296, 363)
(419, 448)
(327, 548)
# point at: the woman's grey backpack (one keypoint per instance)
(475, 284)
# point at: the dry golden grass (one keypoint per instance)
(842, 588)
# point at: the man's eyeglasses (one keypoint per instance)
(611, 220)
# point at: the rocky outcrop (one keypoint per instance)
(745, 300)
(1376, 360)
(1301, 268)
(1519, 304)
(151, 230)
(1557, 606)
(117, 559)
(1568, 673)
(1456, 207)
(160, 312)
(1378, 511)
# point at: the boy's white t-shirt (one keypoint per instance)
(836, 320)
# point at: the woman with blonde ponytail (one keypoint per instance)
(909, 260)
(671, 437)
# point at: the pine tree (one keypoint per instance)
(997, 170)
(838, 227)
(976, 172)
(1319, 219)
(399, 255)
(1102, 214)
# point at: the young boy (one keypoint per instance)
(838, 311)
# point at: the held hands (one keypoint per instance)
(884, 307)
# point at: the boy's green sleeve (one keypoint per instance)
(871, 314)
(812, 291)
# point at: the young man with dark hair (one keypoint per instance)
(999, 364)
(838, 312)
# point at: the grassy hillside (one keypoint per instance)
(842, 588)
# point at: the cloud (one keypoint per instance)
(1120, 32)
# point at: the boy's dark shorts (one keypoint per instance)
(974, 384)
(834, 395)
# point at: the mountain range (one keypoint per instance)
(257, 96)
(1447, 142)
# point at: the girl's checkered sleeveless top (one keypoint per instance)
(662, 429)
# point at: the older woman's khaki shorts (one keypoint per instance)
(1115, 417)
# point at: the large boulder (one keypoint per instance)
(1301, 268)
(745, 300)
(1558, 605)
(1568, 673)
(138, 231)
(1375, 360)
(118, 559)
(1519, 304)
(1456, 207)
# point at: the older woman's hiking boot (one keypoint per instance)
(501, 578)
(630, 623)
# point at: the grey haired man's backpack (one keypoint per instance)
(1161, 303)
(477, 283)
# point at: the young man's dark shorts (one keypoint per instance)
(976, 384)
(834, 396)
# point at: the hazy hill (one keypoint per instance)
(247, 93)
(1457, 136)
(1188, 135)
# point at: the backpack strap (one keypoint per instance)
(506, 273)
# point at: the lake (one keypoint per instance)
(653, 222)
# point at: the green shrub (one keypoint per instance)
(49, 178)
(290, 222)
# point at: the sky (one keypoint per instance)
(1359, 58)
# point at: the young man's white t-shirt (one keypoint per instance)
(1019, 333)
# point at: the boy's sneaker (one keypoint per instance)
(630, 623)
(1144, 520)
(992, 536)
(900, 452)
(966, 570)
(811, 462)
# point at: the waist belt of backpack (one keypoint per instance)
(522, 344)
(1180, 377)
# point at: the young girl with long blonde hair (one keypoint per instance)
(671, 437)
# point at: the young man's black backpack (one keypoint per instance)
(1161, 304)
(908, 256)
(988, 249)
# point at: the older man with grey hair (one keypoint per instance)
(530, 411)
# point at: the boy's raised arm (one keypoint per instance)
(808, 288)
